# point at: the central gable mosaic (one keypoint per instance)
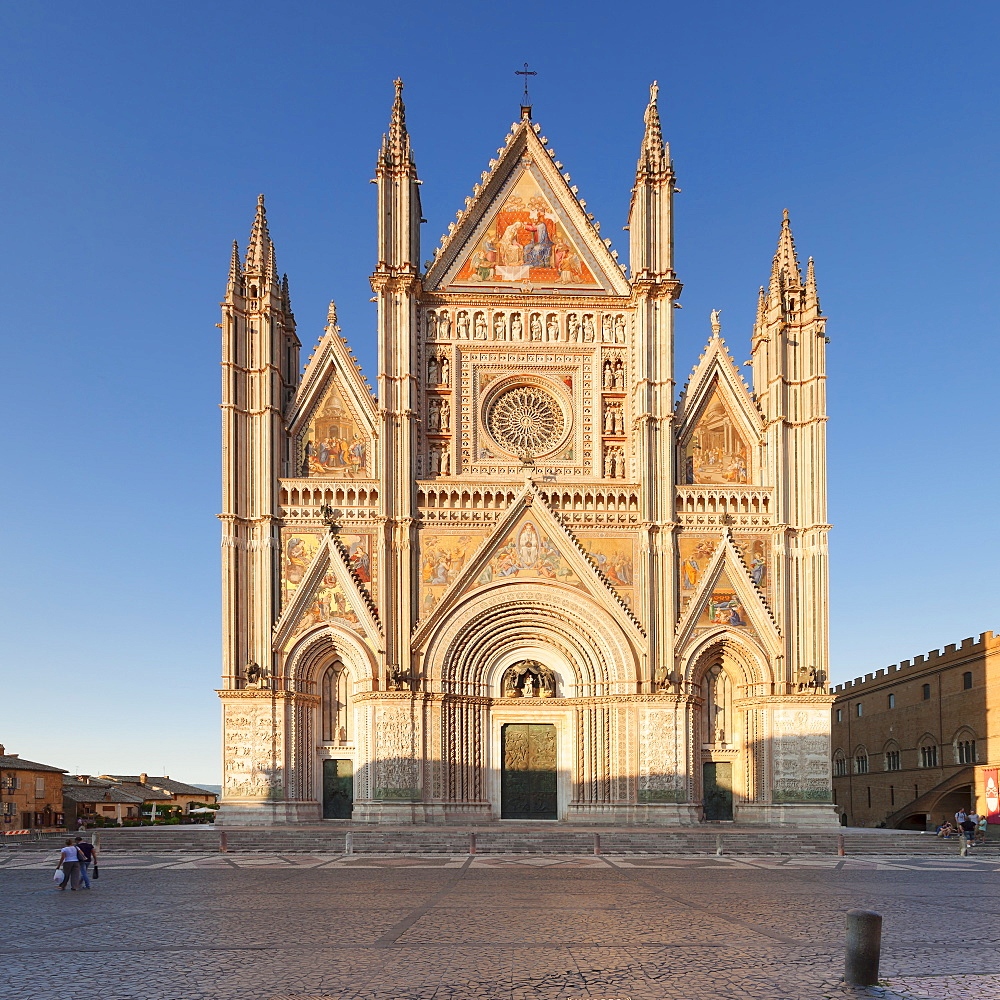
(527, 241)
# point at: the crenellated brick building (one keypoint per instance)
(912, 743)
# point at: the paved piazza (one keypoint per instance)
(318, 926)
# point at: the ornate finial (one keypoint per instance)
(396, 145)
(259, 250)
(331, 314)
(785, 216)
(785, 271)
(654, 156)
(716, 324)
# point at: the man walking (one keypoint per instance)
(69, 862)
(88, 853)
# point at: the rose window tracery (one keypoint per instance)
(526, 420)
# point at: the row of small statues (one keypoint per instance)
(439, 460)
(549, 328)
(613, 375)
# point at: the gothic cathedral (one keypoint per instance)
(526, 580)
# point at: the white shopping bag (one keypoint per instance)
(58, 876)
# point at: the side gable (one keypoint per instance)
(525, 228)
(726, 598)
(329, 592)
(720, 427)
(332, 420)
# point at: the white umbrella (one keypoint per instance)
(203, 809)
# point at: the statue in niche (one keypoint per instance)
(609, 375)
(479, 333)
(443, 325)
(607, 332)
(444, 415)
(588, 327)
(445, 371)
(434, 416)
(431, 326)
(444, 461)
(535, 327)
(552, 327)
(463, 325)
(499, 326)
(433, 371)
(516, 327)
(619, 329)
(619, 374)
(528, 679)
(573, 327)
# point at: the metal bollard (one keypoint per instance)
(223, 842)
(597, 843)
(472, 843)
(718, 844)
(840, 845)
(349, 843)
(864, 947)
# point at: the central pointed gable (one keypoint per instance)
(525, 229)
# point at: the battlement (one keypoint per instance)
(968, 646)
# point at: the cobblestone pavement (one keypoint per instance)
(340, 927)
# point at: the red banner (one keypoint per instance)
(992, 795)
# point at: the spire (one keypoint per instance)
(236, 267)
(396, 151)
(260, 252)
(761, 309)
(785, 271)
(654, 155)
(286, 299)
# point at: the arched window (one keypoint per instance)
(892, 757)
(928, 751)
(335, 725)
(839, 764)
(861, 761)
(965, 746)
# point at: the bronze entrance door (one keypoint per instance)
(528, 779)
(338, 789)
(718, 789)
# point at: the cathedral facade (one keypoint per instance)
(527, 579)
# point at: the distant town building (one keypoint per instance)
(90, 799)
(914, 743)
(162, 791)
(30, 793)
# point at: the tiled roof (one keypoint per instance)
(8, 763)
(164, 784)
(99, 793)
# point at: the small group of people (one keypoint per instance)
(75, 860)
(969, 825)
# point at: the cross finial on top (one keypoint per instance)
(654, 90)
(526, 102)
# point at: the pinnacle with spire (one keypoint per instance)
(655, 154)
(236, 267)
(260, 252)
(785, 270)
(396, 151)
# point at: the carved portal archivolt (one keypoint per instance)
(528, 679)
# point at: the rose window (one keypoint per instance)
(526, 420)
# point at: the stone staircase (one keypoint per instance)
(513, 838)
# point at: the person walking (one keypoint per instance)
(88, 853)
(69, 862)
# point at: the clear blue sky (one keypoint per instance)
(138, 137)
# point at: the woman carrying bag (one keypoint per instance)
(69, 862)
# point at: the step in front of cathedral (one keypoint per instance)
(353, 838)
